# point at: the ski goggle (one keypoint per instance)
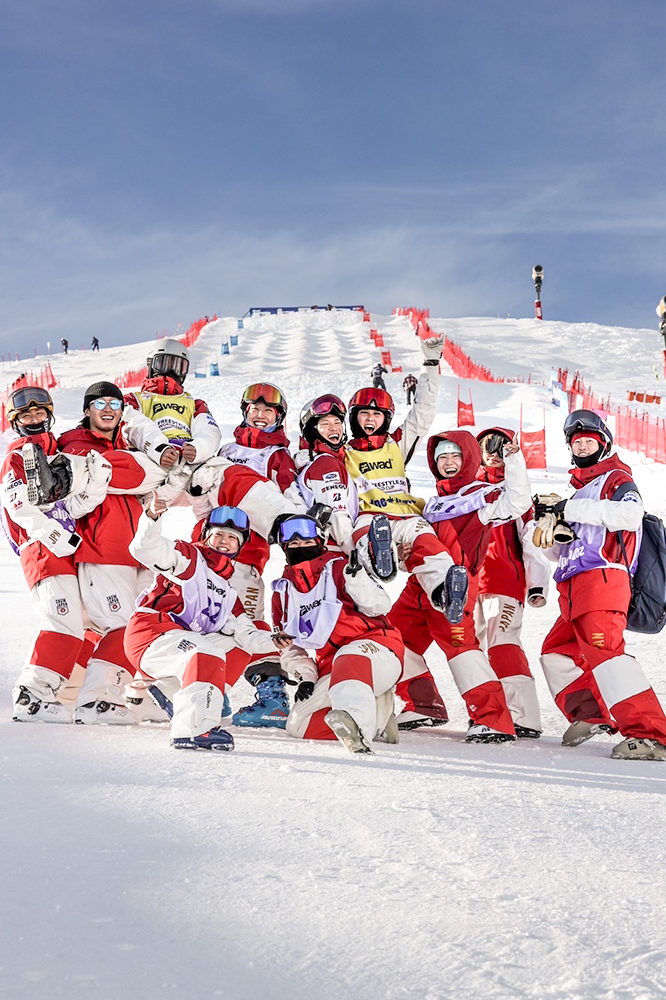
(101, 404)
(164, 363)
(269, 394)
(31, 395)
(298, 527)
(325, 405)
(372, 399)
(494, 443)
(228, 517)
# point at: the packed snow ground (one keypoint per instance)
(290, 870)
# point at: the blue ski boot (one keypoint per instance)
(380, 548)
(451, 596)
(271, 704)
(214, 739)
(226, 708)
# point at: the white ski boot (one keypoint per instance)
(579, 732)
(479, 733)
(105, 713)
(634, 749)
(29, 707)
(347, 731)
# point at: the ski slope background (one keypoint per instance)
(289, 870)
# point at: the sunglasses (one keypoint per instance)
(101, 404)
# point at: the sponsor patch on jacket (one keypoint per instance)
(62, 607)
(113, 602)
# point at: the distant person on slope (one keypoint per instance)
(94, 345)
(409, 386)
(65, 345)
(46, 540)
(595, 683)
(514, 572)
(333, 608)
(186, 625)
(378, 373)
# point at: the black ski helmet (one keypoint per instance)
(312, 412)
(580, 421)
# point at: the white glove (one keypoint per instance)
(99, 469)
(543, 532)
(206, 478)
(432, 348)
(179, 476)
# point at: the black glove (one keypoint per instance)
(304, 690)
(321, 513)
(540, 508)
(353, 566)
(275, 527)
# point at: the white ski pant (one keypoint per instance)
(249, 586)
(56, 604)
(109, 596)
(428, 561)
(197, 663)
(498, 622)
(361, 682)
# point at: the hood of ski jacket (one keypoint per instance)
(471, 452)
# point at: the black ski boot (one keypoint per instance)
(451, 596)
(46, 481)
(380, 548)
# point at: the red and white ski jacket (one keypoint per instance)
(597, 523)
(323, 478)
(325, 608)
(107, 531)
(191, 592)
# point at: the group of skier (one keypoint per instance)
(161, 629)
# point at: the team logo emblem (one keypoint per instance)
(113, 602)
(62, 608)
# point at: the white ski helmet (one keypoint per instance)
(169, 357)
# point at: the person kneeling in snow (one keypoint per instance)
(188, 622)
(332, 607)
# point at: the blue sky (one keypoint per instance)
(163, 159)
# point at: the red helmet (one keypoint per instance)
(370, 399)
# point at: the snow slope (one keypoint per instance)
(290, 870)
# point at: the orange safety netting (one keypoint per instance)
(135, 376)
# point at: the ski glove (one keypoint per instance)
(353, 566)
(548, 503)
(303, 691)
(535, 597)
(432, 349)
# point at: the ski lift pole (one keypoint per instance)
(537, 276)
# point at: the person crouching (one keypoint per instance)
(331, 606)
(188, 621)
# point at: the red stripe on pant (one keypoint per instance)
(508, 660)
(206, 668)
(486, 705)
(349, 667)
(317, 728)
(420, 695)
(641, 716)
(424, 545)
(110, 648)
(56, 652)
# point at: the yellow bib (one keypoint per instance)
(172, 414)
(381, 482)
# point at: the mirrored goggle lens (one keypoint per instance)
(299, 527)
(170, 363)
(324, 405)
(493, 443)
(101, 404)
(228, 517)
(371, 399)
(270, 394)
(31, 395)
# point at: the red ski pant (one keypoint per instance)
(421, 625)
(592, 679)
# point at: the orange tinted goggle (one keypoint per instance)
(371, 399)
(270, 394)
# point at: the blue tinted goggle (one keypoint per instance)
(101, 404)
(298, 527)
(228, 517)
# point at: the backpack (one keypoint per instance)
(647, 609)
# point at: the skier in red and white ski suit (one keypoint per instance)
(185, 626)
(335, 610)
(46, 541)
(593, 680)
(463, 515)
(513, 572)
(110, 579)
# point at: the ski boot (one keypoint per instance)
(29, 707)
(214, 739)
(451, 595)
(478, 733)
(635, 749)
(525, 733)
(105, 713)
(579, 732)
(408, 721)
(46, 481)
(271, 704)
(148, 702)
(380, 548)
(390, 733)
(347, 731)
